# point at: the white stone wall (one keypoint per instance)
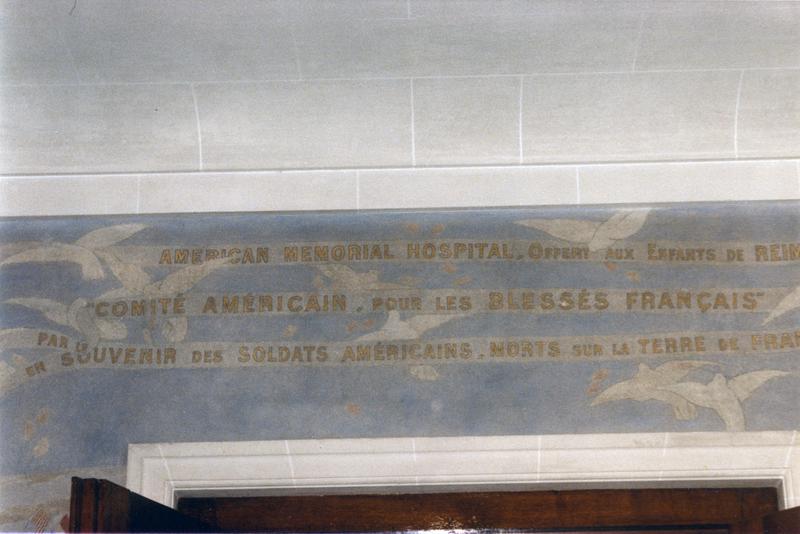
(125, 106)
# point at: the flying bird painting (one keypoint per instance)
(343, 277)
(725, 396)
(648, 384)
(83, 252)
(137, 283)
(596, 235)
(412, 328)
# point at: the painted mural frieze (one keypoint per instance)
(469, 322)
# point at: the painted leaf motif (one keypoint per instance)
(573, 230)
(91, 269)
(111, 235)
(424, 372)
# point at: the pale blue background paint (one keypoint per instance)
(95, 413)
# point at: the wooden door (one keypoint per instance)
(101, 506)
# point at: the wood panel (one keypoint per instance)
(701, 508)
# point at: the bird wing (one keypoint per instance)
(744, 385)
(393, 321)
(621, 225)
(694, 392)
(577, 231)
(10, 249)
(640, 389)
(682, 409)
(673, 371)
(619, 391)
(716, 395)
(118, 293)
(91, 269)
(385, 285)
(787, 304)
(83, 322)
(183, 280)
(18, 338)
(54, 311)
(133, 277)
(337, 271)
(111, 235)
(422, 323)
(393, 328)
(344, 276)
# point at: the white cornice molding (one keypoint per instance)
(163, 471)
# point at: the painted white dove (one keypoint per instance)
(645, 386)
(725, 396)
(788, 303)
(137, 283)
(596, 235)
(412, 328)
(82, 252)
(343, 277)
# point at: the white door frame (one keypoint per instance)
(165, 471)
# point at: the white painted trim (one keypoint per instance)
(345, 189)
(163, 472)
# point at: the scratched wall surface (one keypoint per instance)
(428, 323)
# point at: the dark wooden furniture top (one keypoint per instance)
(102, 506)
(550, 510)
